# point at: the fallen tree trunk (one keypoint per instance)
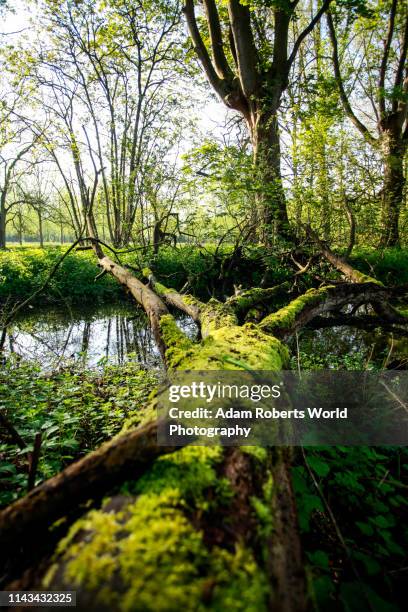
(150, 302)
(225, 345)
(85, 479)
(186, 303)
(316, 302)
(230, 344)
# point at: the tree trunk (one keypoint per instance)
(20, 228)
(2, 224)
(272, 213)
(40, 228)
(393, 192)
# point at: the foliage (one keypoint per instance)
(74, 409)
(389, 266)
(366, 491)
(23, 270)
(352, 525)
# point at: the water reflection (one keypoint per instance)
(117, 332)
(93, 336)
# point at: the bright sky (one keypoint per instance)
(16, 23)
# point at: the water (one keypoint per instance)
(93, 336)
(118, 332)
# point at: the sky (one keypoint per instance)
(17, 23)
(211, 116)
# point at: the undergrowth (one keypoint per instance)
(75, 410)
(206, 271)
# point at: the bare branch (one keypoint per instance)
(343, 96)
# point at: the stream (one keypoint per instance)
(92, 336)
(115, 333)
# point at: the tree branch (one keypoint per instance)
(323, 9)
(247, 56)
(399, 76)
(384, 60)
(221, 64)
(220, 85)
(343, 96)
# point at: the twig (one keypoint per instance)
(394, 396)
(298, 354)
(336, 528)
(33, 461)
(386, 360)
(17, 439)
(100, 275)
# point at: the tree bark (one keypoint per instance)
(40, 228)
(272, 211)
(393, 192)
(255, 92)
(2, 226)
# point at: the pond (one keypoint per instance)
(92, 335)
(115, 333)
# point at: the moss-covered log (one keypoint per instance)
(200, 527)
(316, 302)
(185, 303)
(163, 538)
(257, 297)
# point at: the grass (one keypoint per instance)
(389, 266)
(24, 269)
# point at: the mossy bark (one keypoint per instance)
(195, 528)
(159, 550)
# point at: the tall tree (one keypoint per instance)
(248, 62)
(386, 92)
(116, 61)
(15, 143)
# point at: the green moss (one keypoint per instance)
(259, 452)
(233, 348)
(178, 345)
(256, 295)
(360, 277)
(190, 472)
(163, 291)
(147, 272)
(285, 317)
(152, 553)
(263, 507)
(216, 315)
